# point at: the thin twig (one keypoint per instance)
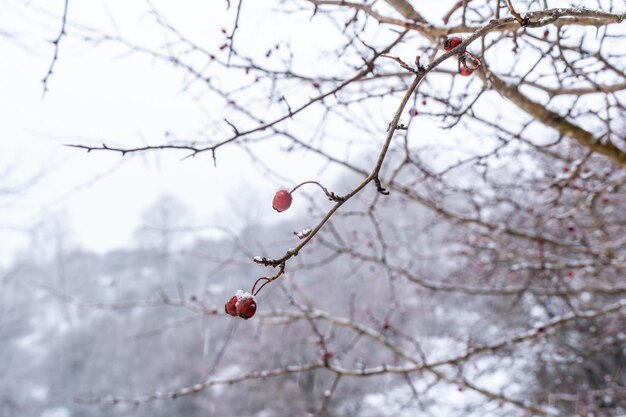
(56, 43)
(523, 21)
(232, 34)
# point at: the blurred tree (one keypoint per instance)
(164, 225)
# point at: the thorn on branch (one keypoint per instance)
(334, 197)
(379, 186)
(235, 130)
(406, 66)
(523, 21)
(303, 233)
(419, 66)
(288, 106)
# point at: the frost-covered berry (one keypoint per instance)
(413, 112)
(452, 42)
(231, 306)
(246, 306)
(282, 200)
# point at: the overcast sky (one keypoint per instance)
(103, 94)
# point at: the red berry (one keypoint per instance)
(231, 306)
(223, 46)
(546, 33)
(246, 306)
(468, 63)
(282, 200)
(413, 112)
(464, 71)
(452, 42)
(315, 84)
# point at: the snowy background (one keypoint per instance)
(114, 269)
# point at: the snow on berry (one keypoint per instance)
(282, 200)
(242, 304)
(246, 306)
(413, 112)
(452, 42)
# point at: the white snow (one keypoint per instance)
(303, 233)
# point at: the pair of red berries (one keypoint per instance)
(468, 63)
(242, 304)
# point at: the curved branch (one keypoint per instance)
(554, 120)
(406, 10)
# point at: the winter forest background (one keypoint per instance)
(463, 253)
